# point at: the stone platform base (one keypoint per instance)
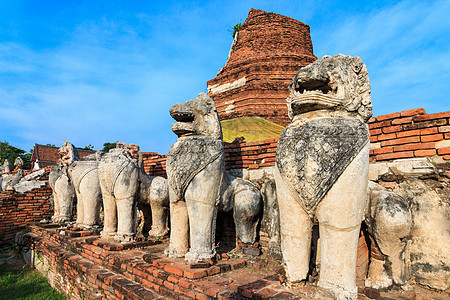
(85, 267)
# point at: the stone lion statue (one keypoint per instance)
(199, 185)
(125, 186)
(63, 192)
(321, 171)
(84, 177)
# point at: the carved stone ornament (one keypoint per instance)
(187, 159)
(323, 149)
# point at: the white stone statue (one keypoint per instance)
(63, 192)
(199, 185)
(84, 176)
(321, 172)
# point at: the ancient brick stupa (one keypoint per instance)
(267, 52)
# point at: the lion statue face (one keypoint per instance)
(68, 153)
(337, 83)
(196, 117)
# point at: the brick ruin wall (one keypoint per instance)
(268, 52)
(18, 210)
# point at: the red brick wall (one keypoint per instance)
(410, 133)
(269, 51)
(19, 210)
(154, 164)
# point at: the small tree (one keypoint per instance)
(236, 29)
(108, 146)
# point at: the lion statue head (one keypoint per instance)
(68, 153)
(196, 117)
(335, 83)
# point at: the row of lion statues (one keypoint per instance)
(321, 177)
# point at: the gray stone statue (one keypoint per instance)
(389, 221)
(63, 192)
(199, 185)
(84, 177)
(321, 172)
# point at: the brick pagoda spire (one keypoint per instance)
(267, 52)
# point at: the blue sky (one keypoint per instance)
(101, 71)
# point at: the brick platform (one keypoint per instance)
(86, 267)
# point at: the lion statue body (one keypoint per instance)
(199, 185)
(321, 172)
(83, 175)
(125, 186)
(63, 192)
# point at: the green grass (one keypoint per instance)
(252, 128)
(25, 283)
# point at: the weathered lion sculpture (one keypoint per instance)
(321, 170)
(199, 185)
(84, 177)
(125, 186)
(63, 192)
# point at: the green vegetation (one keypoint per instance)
(251, 128)
(236, 29)
(18, 281)
(11, 153)
(108, 146)
(88, 147)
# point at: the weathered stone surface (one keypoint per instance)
(25, 186)
(271, 217)
(119, 181)
(125, 186)
(430, 255)
(388, 220)
(199, 185)
(10, 180)
(154, 196)
(408, 167)
(18, 162)
(6, 167)
(197, 153)
(323, 152)
(63, 192)
(84, 177)
(324, 148)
